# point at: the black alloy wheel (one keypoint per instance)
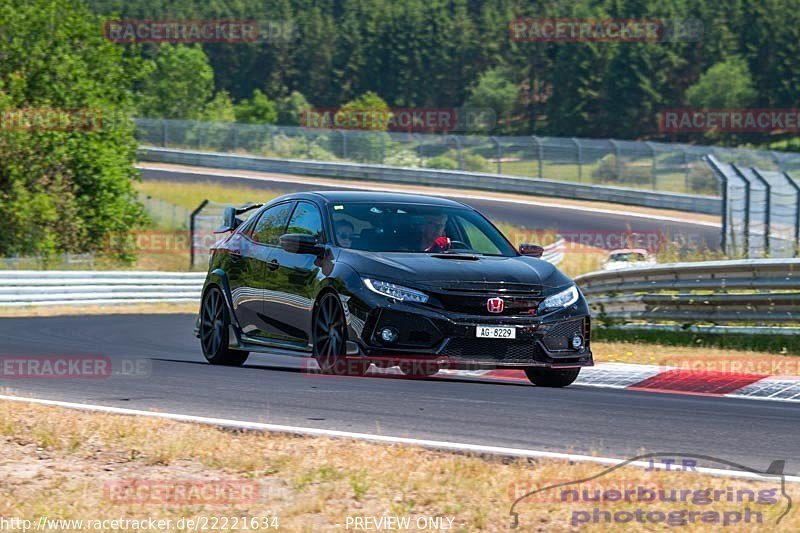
(214, 331)
(330, 339)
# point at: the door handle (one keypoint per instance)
(273, 265)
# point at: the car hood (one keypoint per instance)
(426, 270)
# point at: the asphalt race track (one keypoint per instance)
(531, 217)
(272, 389)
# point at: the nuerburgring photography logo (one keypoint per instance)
(668, 491)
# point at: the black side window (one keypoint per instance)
(307, 220)
(272, 223)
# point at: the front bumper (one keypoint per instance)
(450, 340)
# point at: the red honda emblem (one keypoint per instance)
(495, 305)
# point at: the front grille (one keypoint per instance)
(558, 336)
(496, 288)
(470, 304)
(470, 297)
(494, 350)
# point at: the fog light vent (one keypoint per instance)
(577, 342)
(388, 334)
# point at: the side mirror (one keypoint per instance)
(300, 243)
(229, 221)
(531, 250)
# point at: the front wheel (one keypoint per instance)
(548, 377)
(214, 331)
(330, 339)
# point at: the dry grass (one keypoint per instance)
(57, 462)
(690, 357)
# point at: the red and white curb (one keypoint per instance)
(664, 379)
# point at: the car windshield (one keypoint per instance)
(406, 227)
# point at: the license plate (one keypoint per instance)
(494, 332)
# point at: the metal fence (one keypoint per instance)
(761, 211)
(165, 215)
(749, 291)
(631, 164)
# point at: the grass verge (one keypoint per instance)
(776, 344)
(189, 195)
(66, 464)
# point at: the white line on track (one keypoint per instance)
(383, 439)
(421, 190)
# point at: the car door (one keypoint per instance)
(292, 286)
(258, 244)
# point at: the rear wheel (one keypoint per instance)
(548, 377)
(330, 339)
(214, 331)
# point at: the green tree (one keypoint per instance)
(64, 189)
(369, 112)
(370, 106)
(726, 84)
(495, 91)
(257, 110)
(291, 109)
(179, 83)
(220, 109)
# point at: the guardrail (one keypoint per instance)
(34, 287)
(438, 178)
(760, 291)
(74, 287)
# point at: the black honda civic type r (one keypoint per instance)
(360, 278)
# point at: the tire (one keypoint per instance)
(215, 330)
(547, 377)
(419, 370)
(330, 339)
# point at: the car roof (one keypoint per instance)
(372, 196)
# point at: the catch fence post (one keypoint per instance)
(192, 230)
(767, 209)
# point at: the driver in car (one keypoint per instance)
(433, 238)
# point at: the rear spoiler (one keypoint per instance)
(229, 219)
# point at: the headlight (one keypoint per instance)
(561, 299)
(398, 292)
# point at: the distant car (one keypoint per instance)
(355, 278)
(628, 258)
